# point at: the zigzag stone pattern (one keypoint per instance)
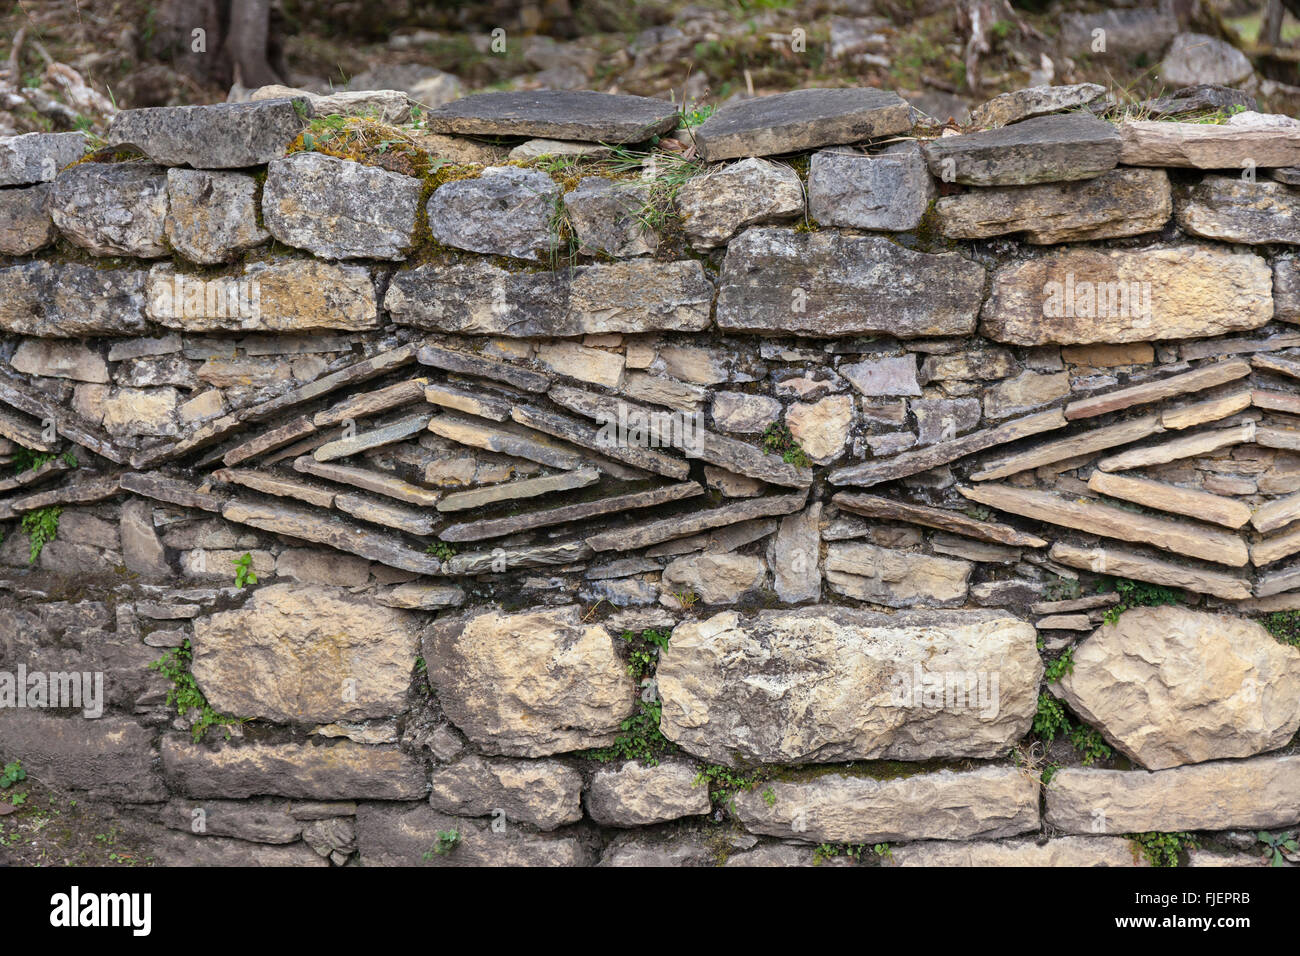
(548, 491)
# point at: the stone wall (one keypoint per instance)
(540, 483)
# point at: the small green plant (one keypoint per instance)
(779, 440)
(1284, 625)
(184, 694)
(441, 550)
(827, 851)
(643, 654)
(884, 851)
(769, 797)
(1277, 846)
(12, 773)
(687, 599)
(447, 841)
(640, 738)
(1163, 849)
(978, 513)
(725, 782)
(1090, 744)
(1051, 720)
(696, 115)
(1060, 667)
(1135, 594)
(42, 526)
(244, 575)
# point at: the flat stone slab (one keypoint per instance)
(1041, 150)
(217, 136)
(524, 488)
(988, 803)
(482, 298)
(828, 283)
(1262, 792)
(1210, 146)
(642, 535)
(37, 157)
(1121, 202)
(1025, 104)
(556, 114)
(467, 363)
(801, 120)
(373, 481)
(1142, 568)
(1230, 209)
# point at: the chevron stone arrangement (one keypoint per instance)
(539, 480)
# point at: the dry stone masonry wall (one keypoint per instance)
(538, 481)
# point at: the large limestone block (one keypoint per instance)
(337, 209)
(112, 209)
(828, 283)
(827, 683)
(542, 793)
(529, 684)
(111, 757)
(1262, 792)
(988, 803)
(1170, 686)
(637, 795)
(1084, 295)
(215, 136)
(299, 654)
(895, 578)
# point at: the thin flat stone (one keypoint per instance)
(1188, 446)
(736, 456)
(216, 136)
(452, 360)
(1276, 582)
(1025, 104)
(801, 120)
(31, 476)
(556, 114)
(1208, 544)
(278, 485)
(1277, 363)
(375, 438)
(1275, 547)
(664, 529)
(421, 597)
(1164, 497)
(1275, 401)
(1207, 146)
(366, 480)
(1075, 604)
(269, 441)
(524, 488)
(873, 506)
(1276, 514)
(370, 368)
(201, 437)
(371, 403)
(1211, 410)
(585, 436)
(507, 439)
(171, 490)
(1283, 438)
(332, 531)
(497, 527)
(1075, 446)
(1065, 622)
(500, 559)
(385, 513)
(1215, 348)
(1193, 381)
(923, 459)
(24, 433)
(1126, 564)
(481, 404)
(719, 541)
(1040, 150)
(81, 492)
